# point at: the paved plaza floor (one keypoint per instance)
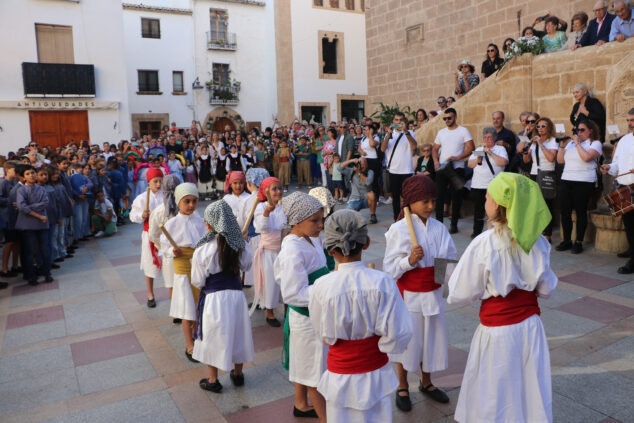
(85, 348)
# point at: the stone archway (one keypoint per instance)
(218, 118)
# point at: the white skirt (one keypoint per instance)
(147, 265)
(167, 267)
(182, 305)
(248, 275)
(227, 337)
(427, 346)
(380, 413)
(507, 376)
(272, 296)
(307, 354)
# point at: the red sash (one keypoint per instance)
(354, 357)
(284, 159)
(418, 280)
(156, 260)
(517, 306)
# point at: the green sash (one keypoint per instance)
(312, 277)
(330, 261)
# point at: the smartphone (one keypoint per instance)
(395, 126)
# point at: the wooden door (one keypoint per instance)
(219, 125)
(58, 128)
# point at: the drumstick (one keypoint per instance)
(147, 200)
(622, 174)
(251, 213)
(410, 226)
(168, 236)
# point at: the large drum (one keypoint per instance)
(621, 201)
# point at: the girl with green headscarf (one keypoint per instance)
(507, 377)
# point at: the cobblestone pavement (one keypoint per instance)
(85, 348)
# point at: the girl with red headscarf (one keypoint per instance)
(235, 193)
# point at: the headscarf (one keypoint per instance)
(300, 206)
(168, 186)
(232, 176)
(220, 217)
(416, 188)
(526, 211)
(184, 190)
(345, 229)
(152, 173)
(266, 183)
(256, 175)
(325, 198)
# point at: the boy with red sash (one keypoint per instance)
(507, 377)
(140, 213)
(412, 266)
(358, 312)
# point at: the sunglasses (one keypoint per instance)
(276, 189)
(32, 145)
(541, 126)
(491, 51)
(448, 118)
(531, 122)
(582, 129)
(441, 101)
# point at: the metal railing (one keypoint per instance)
(58, 80)
(219, 94)
(221, 40)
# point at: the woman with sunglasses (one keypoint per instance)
(542, 154)
(465, 78)
(579, 157)
(506, 47)
(522, 147)
(492, 61)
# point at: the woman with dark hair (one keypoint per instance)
(529, 31)
(554, 38)
(465, 78)
(579, 157)
(492, 62)
(421, 117)
(506, 46)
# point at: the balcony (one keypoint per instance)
(223, 95)
(58, 80)
(221, 41)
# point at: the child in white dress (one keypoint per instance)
(235, 194)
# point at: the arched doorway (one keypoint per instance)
(221, 122)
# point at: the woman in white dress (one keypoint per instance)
(507, 377)
(223, 329)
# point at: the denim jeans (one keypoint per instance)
(60, 247)
(80, 219)
(29, 239)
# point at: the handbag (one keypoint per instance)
(386, 173)
(546, 179)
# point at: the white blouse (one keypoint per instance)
(235, 201)
(370, 152)
(544, 164)
(275, 222)
(245, 208)
(138, 205)
(577, 169)
(186, 230)
(205, 262)
(482, 175)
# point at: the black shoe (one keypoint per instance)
(453, 229)
(403, 403)
(437, 395)
(373, 218)
(273, 322)
(208, 386)
(625, 254)
(58, 260)
(564, 245)
(55, 266)
(4, 285)
(309, 413)
(48, 279)
(33, 282)
(190, 357)
(7, 274)
(69, 256)
(151, 303)
(237, 380)
(627, 269)
(577, 248)
(177, 321)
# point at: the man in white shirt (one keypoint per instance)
(452, 146)
(399, 146)
(623, 161)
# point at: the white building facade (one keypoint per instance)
(63, 73)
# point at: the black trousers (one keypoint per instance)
(479, 197)
(551, 205)
(396, 188)
(443, 185)
(375, 166)
(574, 195)
(628, 222)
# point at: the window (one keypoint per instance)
(150, 28)
(148, 81)
(218, 20)
(334, 4)
(352, 109)
(318, 3)
(152, 128)
(177, 82)
(329, 55)
(414, 33)
(54, 43)
(221, 74)
(350, 4)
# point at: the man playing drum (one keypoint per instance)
(623, 161)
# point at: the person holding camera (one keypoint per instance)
(452, 146)
(398, 145)
(361, 178)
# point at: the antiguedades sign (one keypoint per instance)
(61, 104)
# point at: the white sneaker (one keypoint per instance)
(99, 234)
(387, 201)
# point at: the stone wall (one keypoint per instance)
(416, 72)
(543, 84)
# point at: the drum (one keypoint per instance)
(621, 200)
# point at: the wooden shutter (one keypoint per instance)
(54, 43)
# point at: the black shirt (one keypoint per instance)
(489, 67)
(508, 137)
(176, 148)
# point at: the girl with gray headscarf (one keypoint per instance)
(158, 217)
(223, 336)
(300, 262)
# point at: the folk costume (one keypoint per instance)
(159, 216)
(507, 376)
(235, 201)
